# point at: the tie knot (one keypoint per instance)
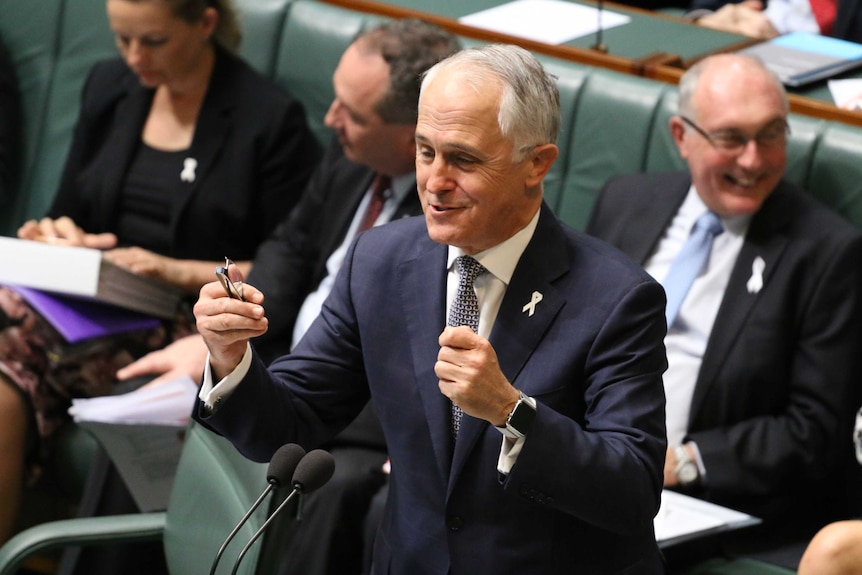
(708, 223)
(468, 269)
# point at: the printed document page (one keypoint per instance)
(547, 21)
(681, 518)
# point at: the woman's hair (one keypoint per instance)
(227, 33)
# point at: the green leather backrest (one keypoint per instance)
(213, 488)
(612, 123)
(835, 176)
(570, 82)
(315, 35)
(804, 133)
(26, 35)
(84, 39)
(37, 39)
(262, 23)
(612, 126)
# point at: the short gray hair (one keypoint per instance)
(529, 107)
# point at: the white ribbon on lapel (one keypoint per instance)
(755, 282)
(531, 306)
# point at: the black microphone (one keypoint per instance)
(312, 473)
(599, 46)
(282, 465)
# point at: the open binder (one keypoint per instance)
(800, 58)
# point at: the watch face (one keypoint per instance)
(687, 473)
(522, 417)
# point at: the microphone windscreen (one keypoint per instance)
(315, 469)
(283, 464)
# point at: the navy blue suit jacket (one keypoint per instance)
(581, 497)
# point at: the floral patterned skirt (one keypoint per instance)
(50, 372)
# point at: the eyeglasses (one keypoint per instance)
(231, 279)
(734, 142)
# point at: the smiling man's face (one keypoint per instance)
(739, 99)
(474, 193)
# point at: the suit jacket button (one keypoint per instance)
(454, 522)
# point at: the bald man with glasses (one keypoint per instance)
(764, 322)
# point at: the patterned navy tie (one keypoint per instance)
(464, 311)
(689, 262)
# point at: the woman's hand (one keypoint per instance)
(63, 231)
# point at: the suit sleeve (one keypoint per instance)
(606, 469)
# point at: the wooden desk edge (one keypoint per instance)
(662, 67)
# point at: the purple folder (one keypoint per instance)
(79, 319)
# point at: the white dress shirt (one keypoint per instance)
(687, 339)
(500, 261)
(791, 16)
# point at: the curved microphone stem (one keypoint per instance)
(262, 529)
(239, 525)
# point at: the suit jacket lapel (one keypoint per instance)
(129, 118)
(765, 240)
(423, 288)
(516, 333)
(342, 217)
(211, 129)
(657, 205)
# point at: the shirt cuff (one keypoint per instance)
(698, 460)
(213, 395)
(509, 452)
(512, 445)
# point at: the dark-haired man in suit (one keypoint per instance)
(763, 353)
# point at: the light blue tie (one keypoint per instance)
(464, 311)
(690, 262)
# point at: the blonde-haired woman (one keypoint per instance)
(182, 154)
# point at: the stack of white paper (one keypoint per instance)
(169, 403)
(547, 21)
(681, 518)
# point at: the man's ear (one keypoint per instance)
(678, 132)
(541, 159)
(209, 21)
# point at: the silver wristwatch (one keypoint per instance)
(686, 468)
